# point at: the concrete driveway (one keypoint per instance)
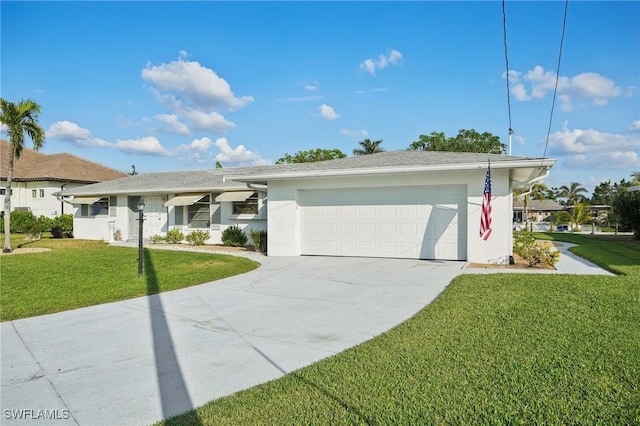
(141, 360)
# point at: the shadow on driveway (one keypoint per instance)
(174, 395)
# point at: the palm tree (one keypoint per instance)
(19, 120)
(368, 147)
(578, 216)
(573, 193)
(538, 191)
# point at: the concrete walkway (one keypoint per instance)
(141, 360)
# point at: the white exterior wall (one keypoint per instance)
(158, 219)
(40, 206)
(284, 229)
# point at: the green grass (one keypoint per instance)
(491, 349)
(78, 273)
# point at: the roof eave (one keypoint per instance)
(515, 164)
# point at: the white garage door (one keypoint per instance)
(427, 222)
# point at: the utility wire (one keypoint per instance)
(506, 60)
(555, 89)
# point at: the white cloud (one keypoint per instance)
(634, 127)
(301, 98)
(195, 152)
(327, 112)
(371, 65)
(239, 154)
(354, 133)
(594, 149)
(201, 144)
(169, 123)
(211, 122)
(69, 131)
(312, 86)
(537, 83)
(604, 160)
(196, 84)
(148, 146)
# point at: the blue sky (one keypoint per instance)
(181, 85)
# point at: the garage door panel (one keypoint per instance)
(406, 222)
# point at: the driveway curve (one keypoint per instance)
(138, 361)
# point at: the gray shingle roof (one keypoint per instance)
(214, 179)
(539, 205)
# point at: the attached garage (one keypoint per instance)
(414, 222)
(399, 204)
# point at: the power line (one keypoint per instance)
(555, 89)
(506, 60)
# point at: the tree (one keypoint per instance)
(578, 216)
(311, 156)
(20, 119)
(218, 165)
(626, 205)
(573, 193)
(539, 191)
(464, 141)
(603, 193)
(367, 147)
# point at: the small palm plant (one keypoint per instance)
(579, 216)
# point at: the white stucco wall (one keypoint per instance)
(284, 212)
(158, 219)
(40, 206)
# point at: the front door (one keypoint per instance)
(132, 202)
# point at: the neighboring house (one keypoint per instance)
(537, 210)
(37, 176)
(401, 204)
(634, 188)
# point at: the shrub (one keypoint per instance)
(20, 221)
(535, 253)
(233, 236)
(34, 227)
(62, 226)
(46, 223)
(155, 239)
(174, 236)
(198, 238)
(259, 239)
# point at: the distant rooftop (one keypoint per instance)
(36, 166)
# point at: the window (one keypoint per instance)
(34, 193)
(42, 193)
(200, 213)
(100, 207)
(248, 206)
(179, 213)
(113, 203)
(84, 210)
(3, 191)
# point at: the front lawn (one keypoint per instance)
(492, 349)
(78, 273)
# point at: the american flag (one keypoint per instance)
(485, 219)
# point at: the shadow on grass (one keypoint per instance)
(174, 395)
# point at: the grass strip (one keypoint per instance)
(79, 273)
